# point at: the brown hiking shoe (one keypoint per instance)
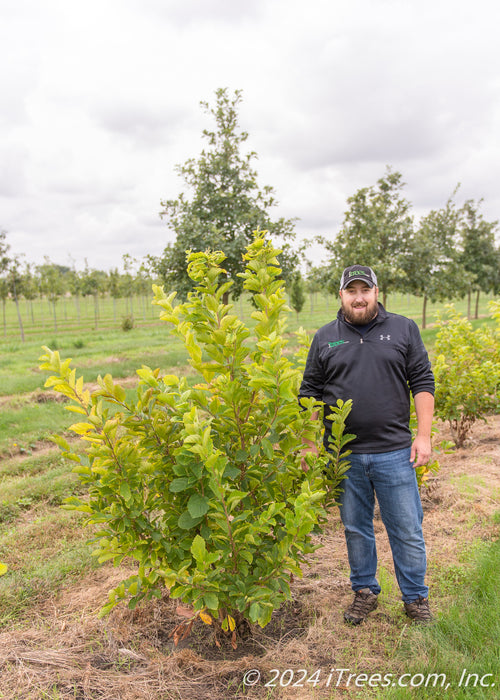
(419, 610)
(364, 602)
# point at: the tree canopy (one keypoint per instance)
(450, 252)
(226, 203)
(375, 232)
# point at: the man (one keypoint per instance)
(376, 358)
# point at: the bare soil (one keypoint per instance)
(66, 651)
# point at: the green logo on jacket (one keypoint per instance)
(337, 342)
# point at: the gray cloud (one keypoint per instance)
(101, 100)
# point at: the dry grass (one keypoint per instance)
(63, 650)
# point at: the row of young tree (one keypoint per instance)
(450, 253)
(21, 280)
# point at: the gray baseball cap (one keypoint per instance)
(358, 272)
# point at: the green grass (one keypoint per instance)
(108, 349)
(464, 642)
(33, 485)
(46, 480)
(24, 426)
(44, 555)
(24, 423)
(116, 353)
(44, 546)
(29, 465)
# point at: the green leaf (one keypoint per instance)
(211, 601)
(197, 505)
(199, 549)
(267, 448)
(119, 393)
(125, 491)
(179, 484)
(231, 472)
(186, 521)
(255, 612)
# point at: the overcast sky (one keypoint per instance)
(100, 100)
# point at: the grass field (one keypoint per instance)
(46, 547)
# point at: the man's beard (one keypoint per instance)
(360, 318)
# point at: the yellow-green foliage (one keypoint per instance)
(467, 370)
(203, 486)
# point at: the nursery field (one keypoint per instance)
(54, 645)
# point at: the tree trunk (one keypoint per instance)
(19, 319)
(55, 316)
(4, 301)
(424, 312)
(77, 304)
(476, 313)
(96, 311)
(468, 302)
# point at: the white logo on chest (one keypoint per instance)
(385, 337)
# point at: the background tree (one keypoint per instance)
(143, 283)
(4, 264)
(433, 262)
(15, 285)
(93, 283)
(128, 281)
(30, 288)
(376, 229)
(479, 255)
(226, 205)
(4, 295)
(297, 293)
(316, 281)
(10, 281)
(115, 288)
(75, 284)
(52, 285)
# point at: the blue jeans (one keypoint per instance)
(391, 476)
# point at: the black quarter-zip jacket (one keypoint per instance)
(377, 370)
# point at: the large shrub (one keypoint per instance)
(467, 371)
(202, 484)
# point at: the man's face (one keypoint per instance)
(359, 302)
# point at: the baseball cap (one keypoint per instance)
(358, 272)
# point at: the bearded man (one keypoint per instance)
(376, 359)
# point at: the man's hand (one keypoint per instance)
(421, 451)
